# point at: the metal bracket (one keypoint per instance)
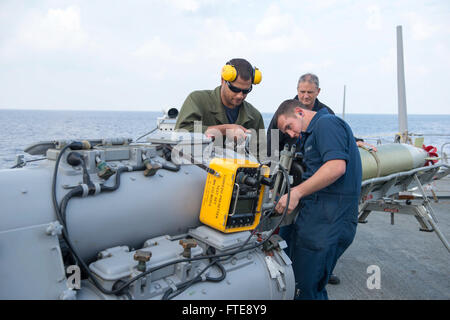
(275, 271)
(422, 212)
(235, 200)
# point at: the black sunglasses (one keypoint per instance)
(237, 90)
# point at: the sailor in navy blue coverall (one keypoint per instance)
(327, 199)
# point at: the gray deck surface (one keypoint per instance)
(413, 264)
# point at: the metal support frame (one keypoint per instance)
(423, 212)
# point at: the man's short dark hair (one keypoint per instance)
(243, 67)
(287, 108)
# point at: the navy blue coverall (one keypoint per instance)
(326, 224)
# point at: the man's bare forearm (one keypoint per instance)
(222, 128)
(328, 173)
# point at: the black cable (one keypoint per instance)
(169, 294)
(265, 217)
(77, 191)
(55, 174)
(286, 176)
(67, 197)
(117, 182)
(61, 218)
(126, 284)
(184, 286)
(61, 215)
(63, 222)
(198, 278)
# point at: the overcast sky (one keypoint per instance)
(149, 55)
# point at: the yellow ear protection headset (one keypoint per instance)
(229, 73)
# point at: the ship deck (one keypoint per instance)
(412, 264)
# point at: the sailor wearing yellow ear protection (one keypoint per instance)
(224, 110)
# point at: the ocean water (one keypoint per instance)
(21, 128)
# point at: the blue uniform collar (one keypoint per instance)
(311, 125)
(314, 120)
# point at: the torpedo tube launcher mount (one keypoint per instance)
(113, 219)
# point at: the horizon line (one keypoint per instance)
(161, 111)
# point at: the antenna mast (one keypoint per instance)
(402, 112)
(343, 106)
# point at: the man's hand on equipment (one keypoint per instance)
(328, 173)
(234, 132)
(366, 146)
(293, 202)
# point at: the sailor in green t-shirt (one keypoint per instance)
(224, 111)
